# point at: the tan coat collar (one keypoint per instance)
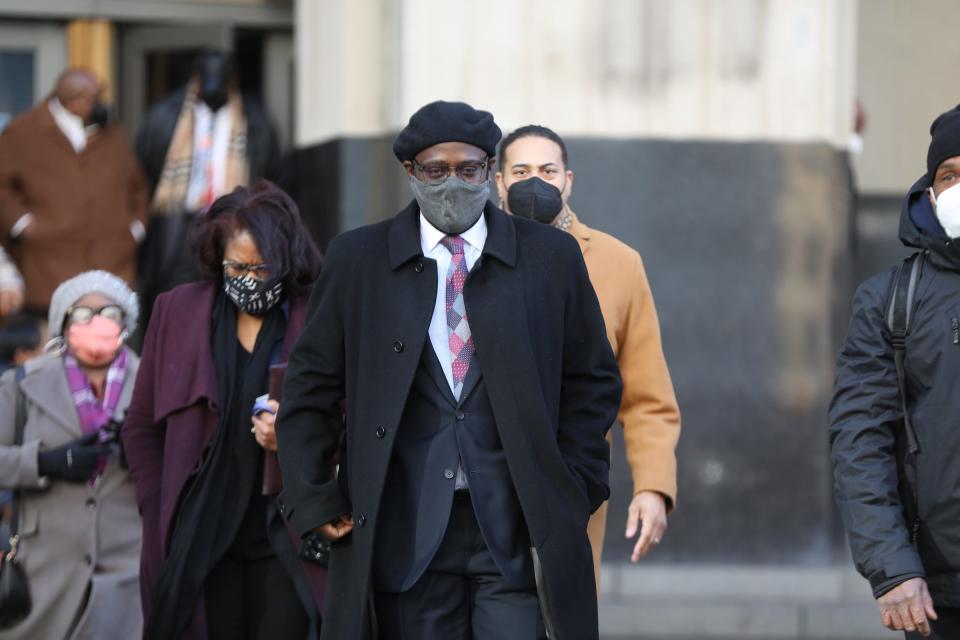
(580, 231)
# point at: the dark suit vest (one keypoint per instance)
(434, 434)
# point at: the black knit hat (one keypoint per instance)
(944, 140)
(447, 122)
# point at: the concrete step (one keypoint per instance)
(726, 602)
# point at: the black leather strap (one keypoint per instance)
(899, 323)
(19, 425)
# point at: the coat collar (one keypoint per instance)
(191, 360)
(46, 385)
(404, 236)
(48, 125)
(580, 231)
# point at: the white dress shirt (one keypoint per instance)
(203, 119)
(70, 124)
(473, 240)
(430, 237)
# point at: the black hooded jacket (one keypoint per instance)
(866, 431)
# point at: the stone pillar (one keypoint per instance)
(90, 44)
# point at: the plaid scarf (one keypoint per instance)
(95, 414)
(170, 197)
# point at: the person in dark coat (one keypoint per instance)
(195, 145)
(218, 561)
(903, 527)
(479, 386)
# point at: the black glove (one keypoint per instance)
(74, 461)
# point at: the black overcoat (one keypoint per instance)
(550, 374)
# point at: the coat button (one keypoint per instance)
(418, 267)
(460, 416)
(381, 432)
(361, 520)
(397, 346)
(282, 508)
(449, 474)
(91, 504)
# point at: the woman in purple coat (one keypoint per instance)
(218, 560)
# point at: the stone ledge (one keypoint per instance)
(727, 602)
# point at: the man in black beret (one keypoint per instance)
(479, 385)
(893, 420)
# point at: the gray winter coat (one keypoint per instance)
(80, 544)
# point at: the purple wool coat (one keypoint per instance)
(173, 416)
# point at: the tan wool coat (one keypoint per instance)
(82, 203)
(648, 411)
(80, 544)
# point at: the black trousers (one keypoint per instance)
(462, 593)
(253, 599)
(945, 627)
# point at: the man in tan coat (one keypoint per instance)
(72, 195)
(534, 182)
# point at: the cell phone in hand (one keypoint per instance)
(260, 405)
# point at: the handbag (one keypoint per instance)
(15, 600)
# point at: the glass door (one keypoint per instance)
(31, 58)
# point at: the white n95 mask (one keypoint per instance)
(947, 207)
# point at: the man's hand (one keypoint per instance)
(650, 509)
(11, 301)
(907, 607)
(335, 530)
(264, 427)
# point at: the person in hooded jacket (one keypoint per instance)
(912, 561)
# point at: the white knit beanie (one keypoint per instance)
(102, 282)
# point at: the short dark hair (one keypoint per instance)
(273, 219)
(527, 131)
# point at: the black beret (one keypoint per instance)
(944, 140)
(447, 122)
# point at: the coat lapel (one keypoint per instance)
(504, 351)
(404, 308)
(186, 381)
(435, 369)
(580, 231)
(47, 388)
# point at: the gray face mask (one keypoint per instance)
(452, 206)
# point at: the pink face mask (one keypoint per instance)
(96, 342)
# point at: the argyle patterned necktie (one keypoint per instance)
(458, 329)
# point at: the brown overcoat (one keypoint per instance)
(82, 203)
(648, 411)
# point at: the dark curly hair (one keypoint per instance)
(535, 131)
(273, 220)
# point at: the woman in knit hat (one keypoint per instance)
(79, 529)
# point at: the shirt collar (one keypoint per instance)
(430, 236)
(69, 123)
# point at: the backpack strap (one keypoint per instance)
(899, 323)
(20, 418)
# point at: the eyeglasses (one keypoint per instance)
(471, 171)
(236, 269)
(81, 314)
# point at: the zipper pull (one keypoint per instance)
(956, 330)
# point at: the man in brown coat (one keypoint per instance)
(72, 195)
(534, 182)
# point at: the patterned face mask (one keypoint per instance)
(251, 295)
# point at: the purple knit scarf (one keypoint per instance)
(95, 414)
